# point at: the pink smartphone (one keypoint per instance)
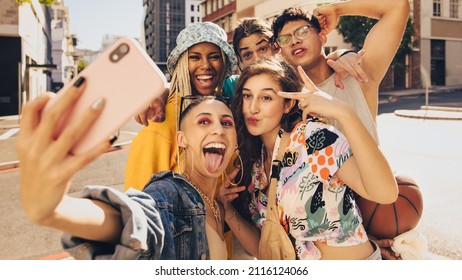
(127, 78)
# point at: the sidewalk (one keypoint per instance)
(417, 91)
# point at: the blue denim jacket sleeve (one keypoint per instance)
(183, 213)
(141, 220)
(164, 221)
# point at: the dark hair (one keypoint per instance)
(293, 14)
(190, 101)
(247, 27)
(286, 76)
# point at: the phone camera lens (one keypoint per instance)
(115, 57)
(123, 48)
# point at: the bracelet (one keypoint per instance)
(234, 215)
(345, 52)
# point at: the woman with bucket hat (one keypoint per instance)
(199, 64)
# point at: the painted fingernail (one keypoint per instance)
(98, 104)
(79, 82)
(113, 139)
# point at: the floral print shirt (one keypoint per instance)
(312, 204)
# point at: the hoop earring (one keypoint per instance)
(242, 174)
(181, 160)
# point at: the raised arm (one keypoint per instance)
(381, 42)
(47, 166)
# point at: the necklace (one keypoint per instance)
(214, 208)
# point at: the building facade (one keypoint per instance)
(63, 46)
(221, 12)
(164, 19)
(192, 11)
(25, 53)
(440, 41)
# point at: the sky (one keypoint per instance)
(90, 20)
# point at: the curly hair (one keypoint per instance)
(293, 14)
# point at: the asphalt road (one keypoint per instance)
(388, 104)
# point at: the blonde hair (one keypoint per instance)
(180, 83)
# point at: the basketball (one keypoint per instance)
(386, 221)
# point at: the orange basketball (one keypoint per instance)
(386, 221)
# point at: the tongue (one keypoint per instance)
(212, 161)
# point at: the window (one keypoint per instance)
(454, 8)
(328, 50)
(192, 8)
(192, 19)
(436, 8)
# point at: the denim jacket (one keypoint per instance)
(164, 221)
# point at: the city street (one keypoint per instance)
(427, 150)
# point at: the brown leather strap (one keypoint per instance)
(276, 167)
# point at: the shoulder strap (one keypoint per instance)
(276, 169)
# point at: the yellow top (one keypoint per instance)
(217, 246)
(153, 150)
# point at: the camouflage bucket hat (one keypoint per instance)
(200, 32)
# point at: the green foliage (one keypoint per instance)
(46, 2)
(355, 28)
(81, 64)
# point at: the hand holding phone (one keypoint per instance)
(127, 78)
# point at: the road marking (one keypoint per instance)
(9, 133)
(59, 256)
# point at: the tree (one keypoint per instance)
(46, 2)
(355, 28)
(81, 64)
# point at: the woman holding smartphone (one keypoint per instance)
(103, 223)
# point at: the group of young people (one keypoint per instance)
(182, 192)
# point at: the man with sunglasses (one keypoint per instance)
(301, 38)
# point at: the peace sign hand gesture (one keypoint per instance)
(314, 101)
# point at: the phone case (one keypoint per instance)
(128, 82)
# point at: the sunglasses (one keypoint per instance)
(190, 101)
(300, 33)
